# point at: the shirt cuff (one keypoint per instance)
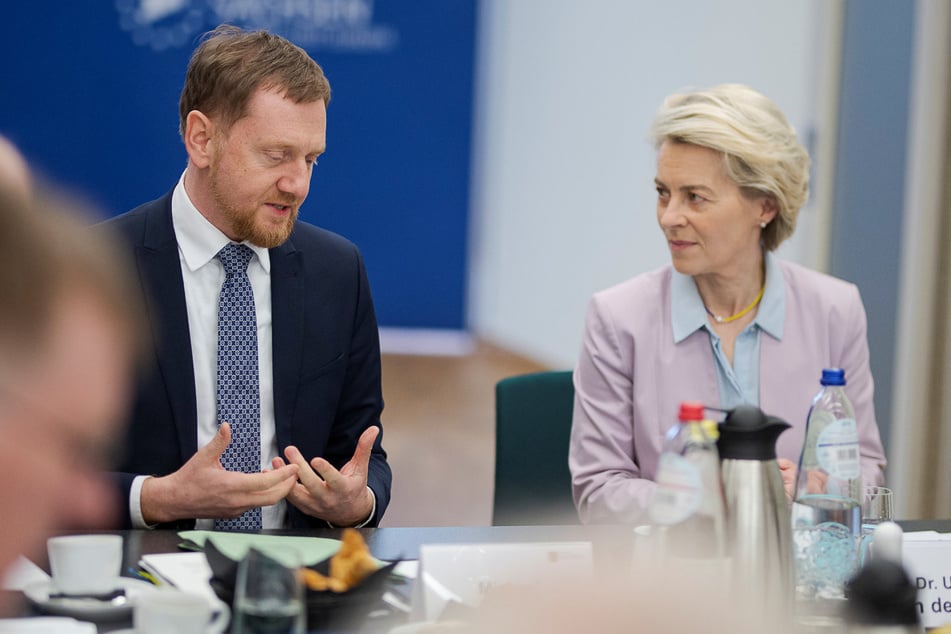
(369, 517)
(135, 503)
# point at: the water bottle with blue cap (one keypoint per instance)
(827, 508)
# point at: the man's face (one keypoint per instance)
(59, 416)
(260, 169)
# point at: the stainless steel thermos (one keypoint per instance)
(759, 535)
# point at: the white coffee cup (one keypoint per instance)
(175, 612)
(85, 564)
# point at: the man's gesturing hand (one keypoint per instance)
(202, 488)
(340, 497)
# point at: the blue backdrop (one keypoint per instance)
(90, 94)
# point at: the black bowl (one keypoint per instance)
(325, 609)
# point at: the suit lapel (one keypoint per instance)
(286, 334)
(161, 271)
(695, 371)
(789, 379)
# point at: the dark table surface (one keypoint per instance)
(610, 543)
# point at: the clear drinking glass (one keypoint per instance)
(269, 597)
(878, 506)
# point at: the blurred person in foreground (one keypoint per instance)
(69, 335)
(660, 599)
(727, 322)
(263, 406)
(669, 601)
(15, 177)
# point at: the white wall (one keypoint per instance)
(563, 199)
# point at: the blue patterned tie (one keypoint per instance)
(236, 385)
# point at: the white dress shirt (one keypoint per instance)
(203, 274)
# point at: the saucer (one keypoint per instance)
(88, 608)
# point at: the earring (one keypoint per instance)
(762, 225)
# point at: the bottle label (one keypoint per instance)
(837, 449)
(679, 490)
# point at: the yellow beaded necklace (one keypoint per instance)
(726, 320)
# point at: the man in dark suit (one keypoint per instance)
(280, 354)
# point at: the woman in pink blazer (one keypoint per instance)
(726, 322)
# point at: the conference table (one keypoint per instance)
(612, 545)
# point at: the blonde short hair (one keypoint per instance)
(761, 151)
(48, 249)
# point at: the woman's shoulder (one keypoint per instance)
(635, 302)
(645, 285)
(811, 285)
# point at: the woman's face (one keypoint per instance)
(711, 226)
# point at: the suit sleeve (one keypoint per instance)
(854, 358)
(606, 478)
(361, 399)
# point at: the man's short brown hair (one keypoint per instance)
(231, 64)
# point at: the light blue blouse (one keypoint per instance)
(738, 384)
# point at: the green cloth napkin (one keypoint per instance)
(235, 545)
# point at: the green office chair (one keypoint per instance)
(532, 429)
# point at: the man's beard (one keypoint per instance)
(243, 224)
(265, 235)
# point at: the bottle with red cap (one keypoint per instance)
(688, 505)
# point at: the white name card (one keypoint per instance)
(465, 572)
(927, 559)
